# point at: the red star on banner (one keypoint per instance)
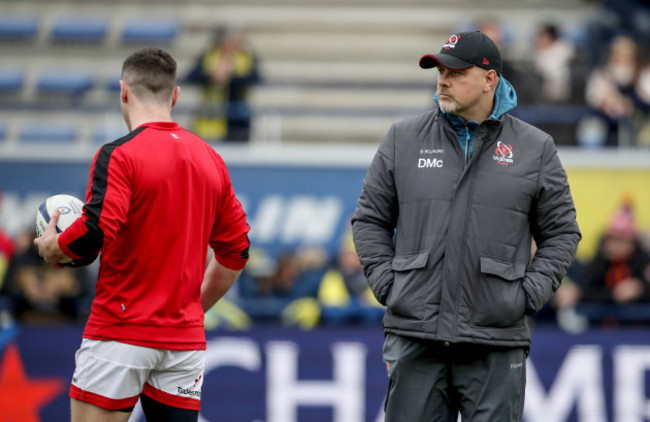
(20, 398)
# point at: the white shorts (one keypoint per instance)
(111, 375)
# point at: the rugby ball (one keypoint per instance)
(70, 208)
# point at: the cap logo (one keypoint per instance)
(486, 61)
(451, 42)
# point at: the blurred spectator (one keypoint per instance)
(524, 80)
(619, 273)
(344, 294)
(226, 314)
(618, 92)
(284, 291)
(553, 58)
(41, 292)
(6, 250)
(225, 71)
(618, 17)
(6, 255)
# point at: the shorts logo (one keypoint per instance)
(451, 42)
(191, 391)
(503, 154)
(188, 392)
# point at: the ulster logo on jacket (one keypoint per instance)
(503, 154)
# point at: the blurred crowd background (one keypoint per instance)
(330, 73)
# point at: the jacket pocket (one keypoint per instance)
(406, 296)
(499, 299)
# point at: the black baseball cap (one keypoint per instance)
(465, 50)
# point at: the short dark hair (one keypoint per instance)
(150, 72)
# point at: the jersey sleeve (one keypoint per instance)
(229, 237)
(107, 205)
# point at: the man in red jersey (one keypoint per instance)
(156, 199)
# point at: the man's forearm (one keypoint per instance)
(216, 283)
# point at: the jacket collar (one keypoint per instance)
(505, 99)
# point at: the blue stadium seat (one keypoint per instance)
(18, 28)
(3, 131)
(87, 29)
(150, 31)
(64, 82)
(45, 132)
(11, 80)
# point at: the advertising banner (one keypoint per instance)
(274, 374)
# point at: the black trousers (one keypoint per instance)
(432, 381)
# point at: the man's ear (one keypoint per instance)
(175, 95)
(124, 91)
(491, 80)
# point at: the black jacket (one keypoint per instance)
(447, 245)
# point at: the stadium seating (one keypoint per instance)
(45, 132)
(18, 28)
(149, 31)
(85, 29)
(66, 82)
(325, 78)
(11, 80)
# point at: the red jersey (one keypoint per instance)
(156, 199)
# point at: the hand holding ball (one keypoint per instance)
(69, 209)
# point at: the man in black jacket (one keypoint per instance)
(443, 228)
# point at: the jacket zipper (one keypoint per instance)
(470, 183)
(466, 144)
(462, 252)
